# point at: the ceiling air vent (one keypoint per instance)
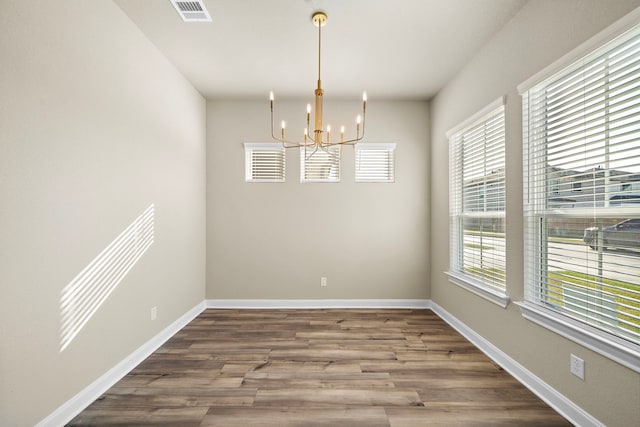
(192, 11)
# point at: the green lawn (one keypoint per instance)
(476, 246)
(566, 240)
(626, 295)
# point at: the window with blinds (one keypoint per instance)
(581, 133)
(320, 165)
(375, 162)
(477, 201)
(264, 162)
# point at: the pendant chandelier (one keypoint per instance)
(320, 138)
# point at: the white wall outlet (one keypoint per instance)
(576, 366)
(154, 313)
(323, 281)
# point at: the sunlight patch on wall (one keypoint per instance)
(82, 297)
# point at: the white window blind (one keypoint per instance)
(320, 165)
(581, 133)
(477, 199)
(375, 162)
(264, 162)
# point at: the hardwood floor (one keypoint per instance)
(318, 368)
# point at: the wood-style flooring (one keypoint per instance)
(327, 367)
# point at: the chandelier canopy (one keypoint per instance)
(320, 138)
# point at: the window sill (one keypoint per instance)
(616, 349)
(476, 287)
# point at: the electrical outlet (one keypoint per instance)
(323, 281)
(576, 366)
(154, 313)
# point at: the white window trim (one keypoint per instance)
(477, 287)
(248, 147)
(610, 346)
(480, 289)
(388, 146)
(477, 117)
(614, 348)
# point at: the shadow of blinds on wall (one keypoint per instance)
(83, 296)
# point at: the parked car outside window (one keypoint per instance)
(623, 235)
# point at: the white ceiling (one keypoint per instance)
(393, 49)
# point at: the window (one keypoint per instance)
(320, 165)
(582, 252)
(264, 162)
(576, 187)
(477, 203)
(375, 162)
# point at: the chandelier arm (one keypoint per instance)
(326, 150)
(353, 141)
(289, 144)
(285, 142)
(314, 152)
(321, 148)
(349, 142)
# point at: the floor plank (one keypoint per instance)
(366, 416)
(338, 367)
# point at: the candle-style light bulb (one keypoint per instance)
(308, 108)
(364, 102)
(271, 96)
(328, 132)
(306, 132)
(341, 133)
(284, 124)
(358, 119)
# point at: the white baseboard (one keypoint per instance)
(318, 303)
(89, 394)
(544, 391)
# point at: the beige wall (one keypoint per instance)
(275, 241)
(541, 33)
(95, 126)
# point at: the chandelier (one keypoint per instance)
(320, 138)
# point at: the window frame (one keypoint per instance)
(367, 168)
(533, 308)
(276, 148)
(457, 213)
